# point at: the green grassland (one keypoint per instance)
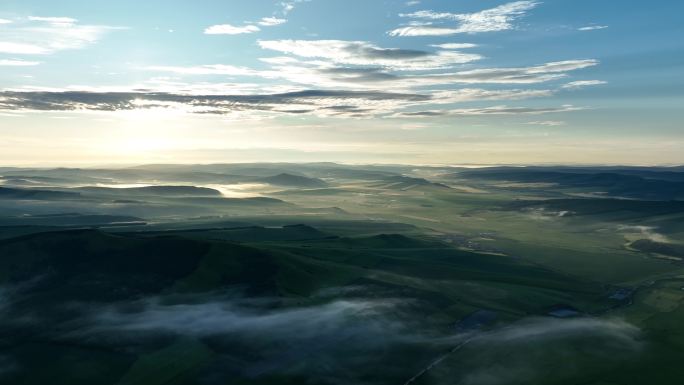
(331, 274)
(440, 284)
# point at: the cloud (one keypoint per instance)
(362, 53)
(227, 29)
(537, 341)
(314, 102)
(545, 328)
(548, 123)
(17, 63)
(423, 30)
(584, 83)
(279, 60)
(648, 232)
(329, 332)
(533, 74)
(514, 75)
(56, 21)
(217, 318)
(474, 94)
(271, 21)
(592, 28)
(45, 35)
(331, 74)
(454, 45)
(495, 19)
(250, 27)
(412, 3)
(288, 6)
(342, 333)
(5, 21)
(21, 48)
(343, 104)
(337, 342)
(495, 110)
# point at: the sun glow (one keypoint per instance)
(141, 145)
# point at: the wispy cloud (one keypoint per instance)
(362, 53)
(477, 94)
(22, 48)
(514, 75)
(271, 21)
(325, 343)
(330, 103)
(583, 83)
(37, 35)
(56, 21)
(288, 6)
(592, 27)
(548, 123)
(299, 339)
(495, 110)
(609, 341)
(17, 63)
(5, 21)
(249, 27)
(314, 102)
(495, 19)
(423, 30)
(336, 74)
(454, 45)
(228, 29)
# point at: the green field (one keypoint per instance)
(333, 274)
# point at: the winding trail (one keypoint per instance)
(438, 361)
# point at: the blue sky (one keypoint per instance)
(425, 82)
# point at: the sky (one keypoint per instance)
(446, 82)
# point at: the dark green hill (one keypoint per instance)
(248, 234)
(88, 307)
(628, 185)
(68, 219)
(153, 191)
(401, 182)
(649, 246)
(290, 180)
(233, 202)
(16, 193)
(87, 265)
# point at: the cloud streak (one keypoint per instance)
(228, 29)
(583, 83)
(495, 110)
(271, 21)
(592, 28)
(329, 103)
(314, 102)
(340, 91)
(547, 123)
(490, 20)
(362, 53)
(289, 6)
(340, 73)
(17, 63)
(46, 35)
